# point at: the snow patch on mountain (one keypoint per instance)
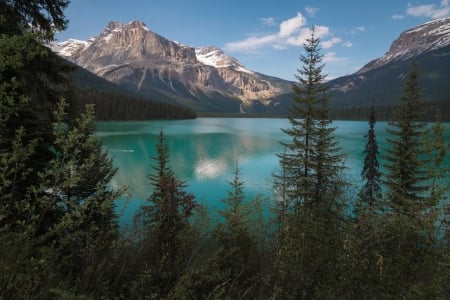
(423, 38)
(214, 57)
(67, 48)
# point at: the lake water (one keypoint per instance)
(204, 151)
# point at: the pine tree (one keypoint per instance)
(371, 189)
(42, 17)
(311, 160)
(31, 78)
(436, 150)
(311, 184)
(410, 233)
(235, 244)
(77, 226)
(405, 177)
(362, 255)
(164, 217)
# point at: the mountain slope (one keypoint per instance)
(204, 79)
(382, 79)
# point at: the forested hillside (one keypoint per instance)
(113, 102)
(59, 232)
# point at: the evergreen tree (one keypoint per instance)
(362, 255)
(164, 217)
(405, 177)
(311, 184)
(436, 149)
(310, 162)
(235, 244)
(411, 237)
(43, 17)
(29, 73)
(371, 190)
(77, 222)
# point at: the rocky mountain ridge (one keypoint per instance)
(382, 79)
(134, 56)
(413, 42)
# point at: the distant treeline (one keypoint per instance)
(385, 112)
(113, 105)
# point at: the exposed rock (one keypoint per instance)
(426, 37)
(133, 54)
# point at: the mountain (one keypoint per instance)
(382, 79)
(204, 79)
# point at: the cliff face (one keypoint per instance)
(132, 55)
(424, 38)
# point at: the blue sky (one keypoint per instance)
(266, 36)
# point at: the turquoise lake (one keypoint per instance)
(204, 151)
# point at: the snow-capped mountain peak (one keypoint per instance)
(132, 54)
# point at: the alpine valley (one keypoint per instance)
(205, 79)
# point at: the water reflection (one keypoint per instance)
(209, 168)
(203, 152)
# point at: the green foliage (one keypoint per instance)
(43, 17)
(59, 237)
(117, 105)
(307, 259)
(404, 225)
(235, 243)
(371, 190)
(436, 149)
(406, 176)
(164, 219)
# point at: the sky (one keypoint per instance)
(266, 36)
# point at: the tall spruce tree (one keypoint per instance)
(311, 181)
(405, 168)
(164, 217)
(236, 251)
(363, 243)
(371, 189)
(410, 233)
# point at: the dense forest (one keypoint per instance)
(386, 112)
(120, 106)
(59, 234)
(115, 103)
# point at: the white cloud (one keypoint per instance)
(311, 11)
(268, 21)
(252, 43)
(332, 57)
(322, 31)
(331, 42)
(347, 44)
(430, 10)
(292, 32)
(357, 29)
(398, 17)
(300, 38)
(291, 25)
